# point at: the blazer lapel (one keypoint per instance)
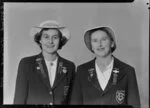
(92, 76)
(61, 72)
(42, 70)
(109, 84)
(117, 65)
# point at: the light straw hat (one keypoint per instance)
(51, 24)
(108, 30)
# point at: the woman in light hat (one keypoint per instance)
(46, 78)
(105, 80)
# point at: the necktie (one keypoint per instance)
(50, 73)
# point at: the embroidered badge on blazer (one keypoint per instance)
(120, 96)
(115, 75)
(66, 88)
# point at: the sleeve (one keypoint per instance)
(76, 98)
(133, 92)
(21, 84)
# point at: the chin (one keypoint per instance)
(101, 54)
(51, 51)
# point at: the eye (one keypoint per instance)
(55, 37)
(104, 39)
(94, 40)
(45, 36)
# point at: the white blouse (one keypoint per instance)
(51, 66)
(103, 77)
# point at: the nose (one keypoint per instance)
(100, 43)
(50, 40)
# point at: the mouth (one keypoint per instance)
(100, 49)
(50, 46)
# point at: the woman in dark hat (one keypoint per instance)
(105, 80)
(46, 78)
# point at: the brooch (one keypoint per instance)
(61, 68)
(91, 72)
(38, 60)
(40, 67)
(64, 70)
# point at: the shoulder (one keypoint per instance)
(86, 65)
(124, 68)
(122, 64)
(28, 59)
(66, 61)
(26, 62)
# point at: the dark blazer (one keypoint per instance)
(33, 86)
(121, 89)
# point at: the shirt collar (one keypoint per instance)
(109, 66)
(54, 62)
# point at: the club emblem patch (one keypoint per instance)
(120, 95)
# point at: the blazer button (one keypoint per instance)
(50, 93)
(50, 103)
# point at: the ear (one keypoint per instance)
(91, 47)
(112, 44)
(40, 42)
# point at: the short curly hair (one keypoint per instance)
(37, 37)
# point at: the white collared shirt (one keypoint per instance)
(103, 77)
(51, 70)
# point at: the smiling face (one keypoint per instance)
(50, 41)
(101, 43)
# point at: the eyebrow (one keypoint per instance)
(55, 35)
